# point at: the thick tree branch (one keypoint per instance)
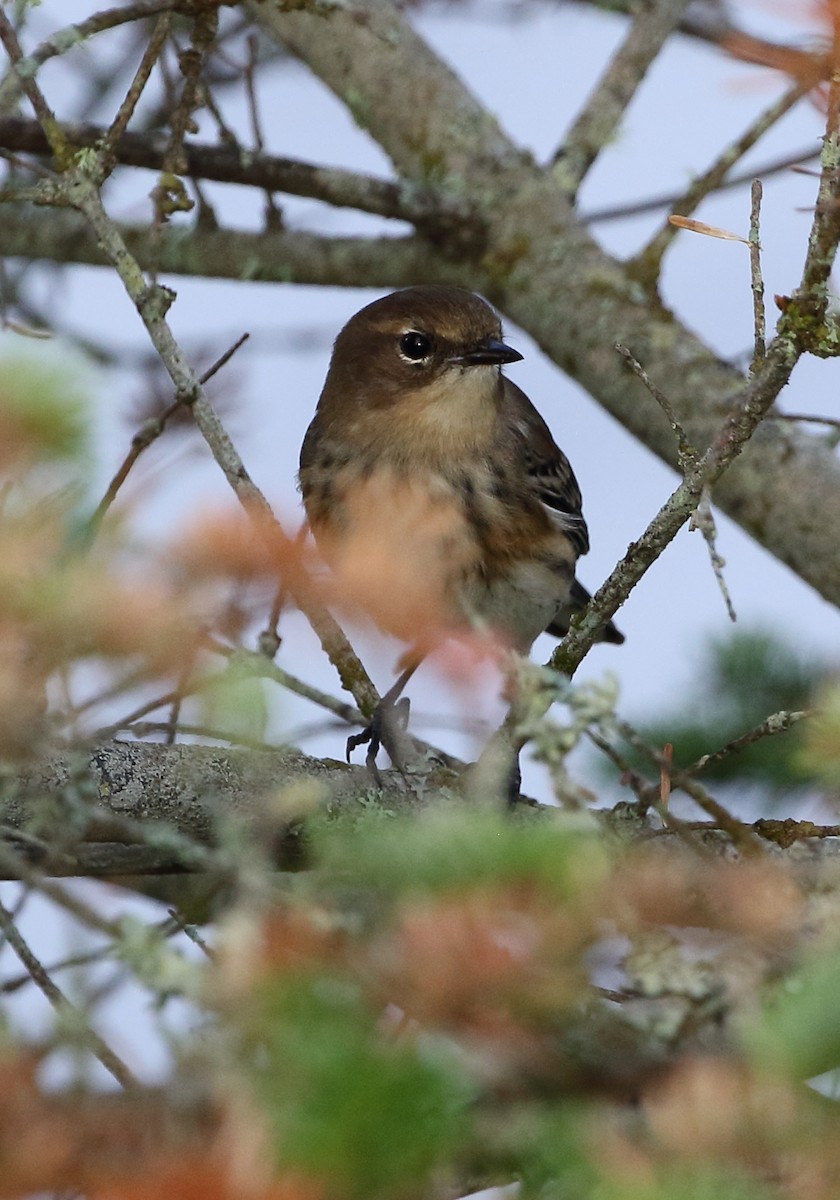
(276, 256)
(157, 809)
(228, 164)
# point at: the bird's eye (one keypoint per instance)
(415, 346)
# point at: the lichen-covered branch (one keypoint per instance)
(276, 256)
(597, 124)
(229, 164)
(155, 809)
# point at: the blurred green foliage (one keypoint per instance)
(451, 849)
(798, 1031)
(234, 701)
(744, 678)
(345, 1104)
(45, 404)
(386, 1069)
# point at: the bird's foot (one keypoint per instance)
(389, 717)
(514, 784)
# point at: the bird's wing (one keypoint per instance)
(549, 470)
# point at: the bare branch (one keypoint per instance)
(756, 277)
(41, 978)
(65, 39)
(277, 256)
(808, 418)
(687, 453)
(125, 112)
(45, 115)
(703, 520)
(779, 722)
(813, 293)
(422, 207)
(635, 208)
(649, 259)
(596, 126)
(148, 433)
(753, 403)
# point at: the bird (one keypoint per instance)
(433, 487)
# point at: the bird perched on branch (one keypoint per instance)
(432, 485)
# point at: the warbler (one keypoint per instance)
(432, 485)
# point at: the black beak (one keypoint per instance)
(490, 351)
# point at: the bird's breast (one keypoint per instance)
(414, 546)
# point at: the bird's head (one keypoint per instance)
(417, 347)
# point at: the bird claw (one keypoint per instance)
(514, 784)
(387, 716)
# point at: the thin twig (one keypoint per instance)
(65, 964)
(41, 978)
(812, 296)
(702, 519)
(596, 125)
(269, 639)
(182, 689)
(148, 433)
(126, 109)
(189, 930)
(274, 219)
(204, 29)
(649, 795)
(73, 35)
(648, 260)
(756, 277)
(740, 833)
(834, 422)
(84, 913)
(686, 452)
(259, 664)
(779, 722)
(143, 710)
(45, 115)
(638, 208)
(629, 776)
(26, 164)
(748, 409)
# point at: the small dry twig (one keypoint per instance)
(649, 258)
(42, 979)
(756, 277)
(703, 520)
(148, 433)
(665, 771)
